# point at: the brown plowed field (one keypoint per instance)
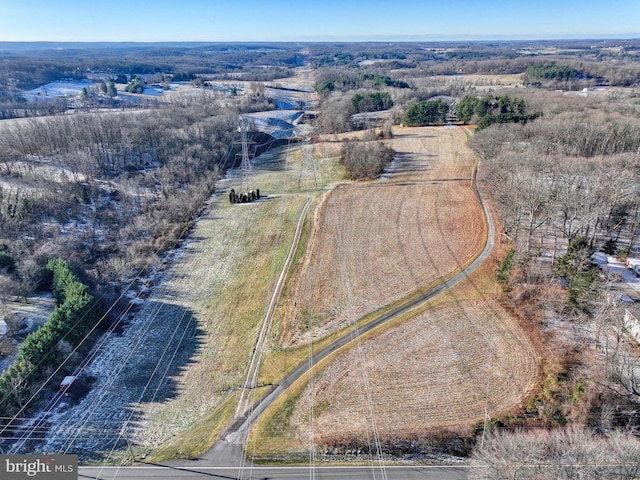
(449, 367)
(375, 242)
(443, 369)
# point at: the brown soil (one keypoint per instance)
(375, 242)
(448, 368)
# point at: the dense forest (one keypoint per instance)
(565, 186)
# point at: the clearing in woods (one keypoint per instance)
(461, 359)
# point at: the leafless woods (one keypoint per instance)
(106, 190)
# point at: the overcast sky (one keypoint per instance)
(314, 20)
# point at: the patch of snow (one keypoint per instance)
(26, 327)
(153, 91)
(132, 370)
(615, 266)
(599, 258)
(57, 89)
(290, 99)
(389, 170)
(279, 124)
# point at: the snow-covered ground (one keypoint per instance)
(279, 124)
(292, 99)
(53, 90)
(73, 88)
(29, 316)
(134, 370)
(611, 264)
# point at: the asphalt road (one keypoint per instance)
(229, 451)
(276, 473)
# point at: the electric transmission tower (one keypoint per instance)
(246, 155)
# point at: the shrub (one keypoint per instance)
(6, 262)
(610, 247)
(505, 269)
(365, 160)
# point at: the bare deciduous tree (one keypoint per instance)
(568, 453)
(336, 111)
(502, 455)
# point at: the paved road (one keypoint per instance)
(275, 473)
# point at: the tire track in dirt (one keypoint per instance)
(393, 255)
(258, 351)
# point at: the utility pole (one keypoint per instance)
(307, 157)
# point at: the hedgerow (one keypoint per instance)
(76, 314)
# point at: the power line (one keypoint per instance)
(104, 338)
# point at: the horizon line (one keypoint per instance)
(363, 39)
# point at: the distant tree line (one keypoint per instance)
(491, 110)
(344, 80)
(27, 69)
(333, 55)
(552, 71)
(134, 59)
(18, 107)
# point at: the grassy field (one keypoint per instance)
(171, 376)
(241, 253)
